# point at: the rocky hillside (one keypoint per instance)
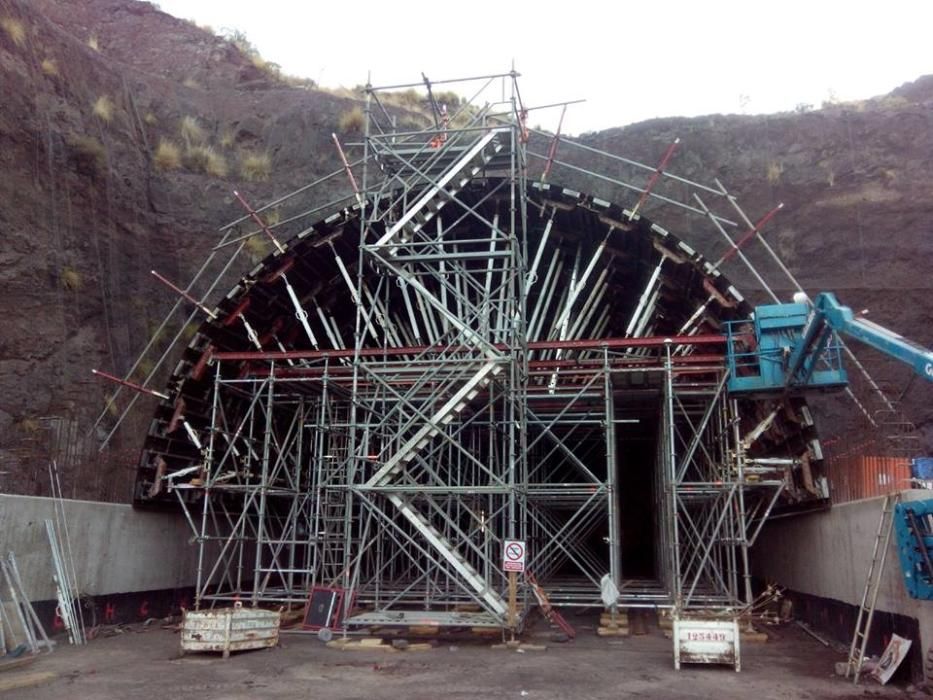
(124, 131)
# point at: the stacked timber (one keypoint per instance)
(613, 624)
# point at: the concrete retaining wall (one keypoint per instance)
(827, 555)
(116, 549)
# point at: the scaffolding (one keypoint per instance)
(524, 358)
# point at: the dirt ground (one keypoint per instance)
(145, 663)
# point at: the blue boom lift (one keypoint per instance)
(795, 347)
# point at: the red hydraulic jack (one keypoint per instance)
(548, 610)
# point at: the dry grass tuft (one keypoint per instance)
(892, 101)
(88, 154)
(167, 155)
(28, 425)
(15, 30)
(189, 331)
(191, 83)
(257, 247)
(150, 119)
(270, 69)
(204, 159)
(255, 167)
(71, 279)
(227, 138)
(192, 132)
(272, 217)
(351, 120)
(143, 369)
(775, 170)
(297, 81)
(93, 42)
(103, 108)
(449, 98)
(50, 67)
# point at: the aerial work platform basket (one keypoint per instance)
(760, 352)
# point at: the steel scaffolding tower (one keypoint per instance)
(460, 353)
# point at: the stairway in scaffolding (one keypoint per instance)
(484, 153)
(463, 164)
(409, 451)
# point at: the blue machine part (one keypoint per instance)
(759, 352)
(792, 347)
(917, 577)
(922, 468)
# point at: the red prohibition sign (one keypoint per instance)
(514, 552)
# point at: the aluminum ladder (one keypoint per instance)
(866, 611)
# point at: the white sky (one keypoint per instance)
(630, 60)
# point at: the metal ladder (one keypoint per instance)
(870, 595)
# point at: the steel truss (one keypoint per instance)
(491, 389)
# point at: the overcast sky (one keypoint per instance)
(630, 61)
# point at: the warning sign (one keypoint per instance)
(513, 556)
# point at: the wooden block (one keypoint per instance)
(371, 641)
(26, 680)
(754, 636)
(420, 646)
(382, 648)
(20, 662)
(359, 646)
(486, 631)
(612, 631)
(607, 619)
(423, 630)
(520, 646)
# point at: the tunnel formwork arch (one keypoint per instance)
(468, 357)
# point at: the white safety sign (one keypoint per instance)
(513, 556)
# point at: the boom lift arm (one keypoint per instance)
(829, 315)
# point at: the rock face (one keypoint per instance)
(94, 196)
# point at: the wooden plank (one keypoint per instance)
(18, 663)
(371, 641)
(26, 680)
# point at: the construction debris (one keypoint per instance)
(29, 625)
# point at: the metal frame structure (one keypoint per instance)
(500, 372)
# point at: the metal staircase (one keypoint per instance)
(407, 249)
(450, 553)
(429, 430)
(472, 161)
